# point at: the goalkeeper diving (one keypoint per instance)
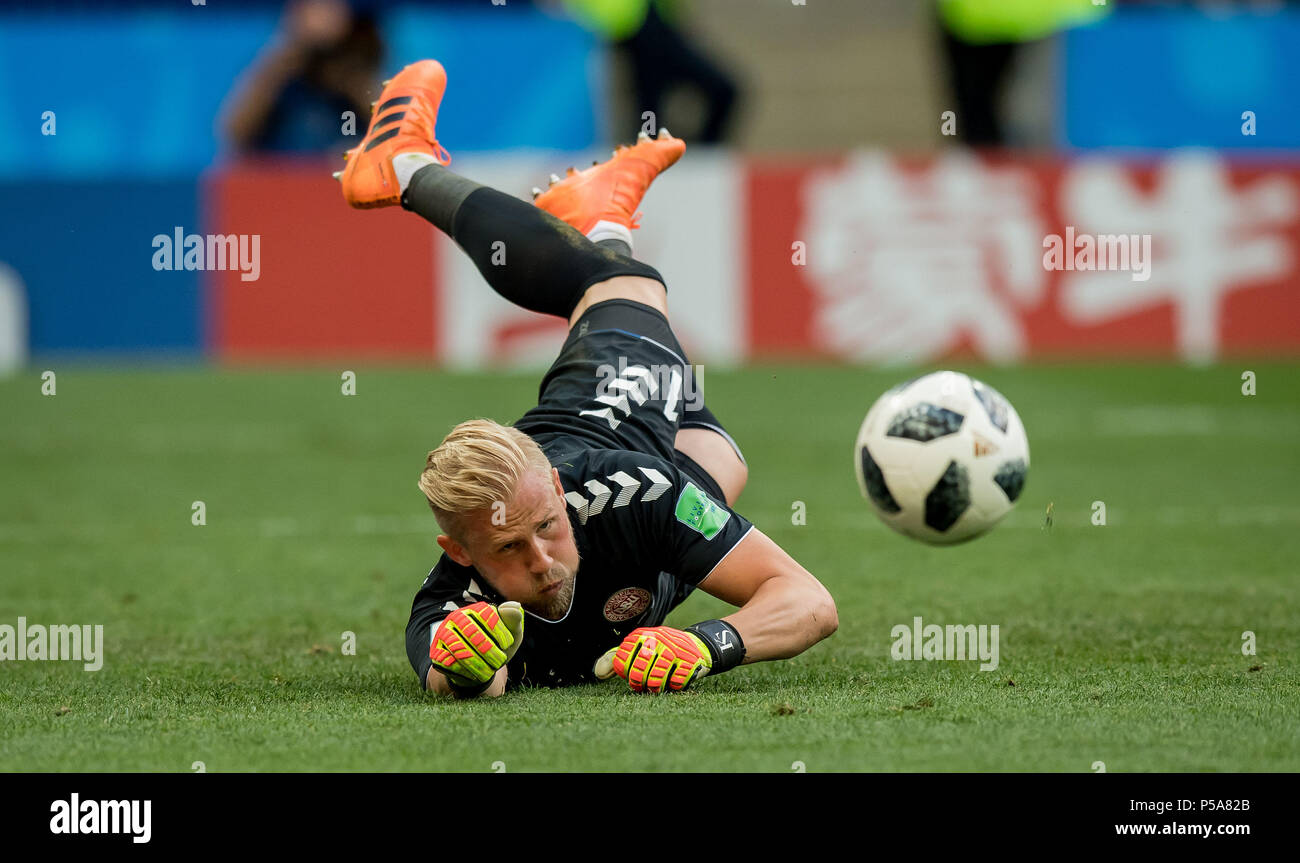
(569, 535)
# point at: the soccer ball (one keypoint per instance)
(942, 458)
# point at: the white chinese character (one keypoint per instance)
(908, 264)
(1208, 239)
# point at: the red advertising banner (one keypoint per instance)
(868, 257)
(334, 282)
(878, 258)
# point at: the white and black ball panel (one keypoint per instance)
(1010, 477)
(948, 499)
(872, 479)
(923, 422)
(996, 408)
(941, 458)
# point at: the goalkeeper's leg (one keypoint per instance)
(702, 438)
(569, 252)
(527, 255)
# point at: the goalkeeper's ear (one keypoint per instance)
(512, 615)
(455, 550)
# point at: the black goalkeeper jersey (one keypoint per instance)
(649, 522)
(635, 518)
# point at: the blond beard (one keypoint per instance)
(559, 605)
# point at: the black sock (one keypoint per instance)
(618, 247)
(527, 255)
(436, 194)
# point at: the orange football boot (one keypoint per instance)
(612, 190)
(403, 122)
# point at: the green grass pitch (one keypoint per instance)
(1120, 643)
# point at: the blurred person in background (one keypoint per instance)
(981, 39)
(662, 59)
(324, 62)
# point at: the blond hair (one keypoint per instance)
(479, 463)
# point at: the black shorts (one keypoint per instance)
(621, 381)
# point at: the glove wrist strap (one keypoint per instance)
(726, 647)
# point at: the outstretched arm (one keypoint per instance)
(783, 612)
(784, 609)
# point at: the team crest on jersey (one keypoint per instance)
(626, 604)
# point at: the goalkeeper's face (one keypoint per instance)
(523, 547)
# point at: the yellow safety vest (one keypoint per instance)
(981, 22)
